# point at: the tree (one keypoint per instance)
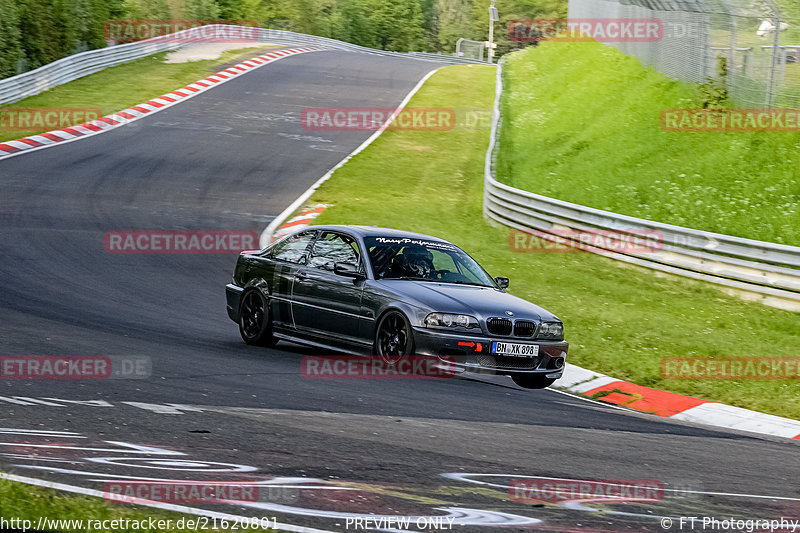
(201, 9)
(75, 25)
(456, 20)
(231, 9)
(509, 10)
(10, 43)
(356, 26)
(398, 25)
(430, 24)
(41, 44)
(146, 9)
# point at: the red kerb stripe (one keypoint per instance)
(30, 142)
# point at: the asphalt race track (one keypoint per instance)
(231, 159)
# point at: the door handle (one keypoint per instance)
(302, 275)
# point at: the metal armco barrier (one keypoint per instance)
(757, 270)
(76, 66)
(85, 63)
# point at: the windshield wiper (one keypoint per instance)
(417, 278)
(466, 283)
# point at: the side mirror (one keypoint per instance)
(502, 282)
(348, 270)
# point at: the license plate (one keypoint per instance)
(515, 349)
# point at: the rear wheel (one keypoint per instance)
(393, 337)
(255, 324)
(532, 381)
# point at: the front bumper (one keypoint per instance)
(472, 353)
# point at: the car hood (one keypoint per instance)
(481, 302)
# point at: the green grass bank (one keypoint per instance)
(620, 320)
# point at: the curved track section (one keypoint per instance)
(321, 452)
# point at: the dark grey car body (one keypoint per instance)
(323, 308)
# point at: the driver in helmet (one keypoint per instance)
(417, 261)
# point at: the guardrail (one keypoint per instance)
(300, 39)
(757, 270)
(85, 63)
(74, 67)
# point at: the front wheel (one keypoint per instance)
(393, 337)
(532, 381)
(255, 325)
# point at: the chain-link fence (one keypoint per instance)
(470, 49)
(749, 47)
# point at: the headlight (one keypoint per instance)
(449, 320)
(553, 331)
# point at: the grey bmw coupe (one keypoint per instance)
(391, 294)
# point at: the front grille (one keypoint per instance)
(499, 326)
(503, 361)
(523, 328)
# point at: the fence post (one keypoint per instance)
(776, 42)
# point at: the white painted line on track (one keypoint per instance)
(593, 402)
(158, 505)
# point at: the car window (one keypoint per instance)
(333, 248)
(443, 261)
(293, 249)
(424, 260)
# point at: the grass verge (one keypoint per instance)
(620, 320)
(582, 124)
(72, 513)
(127, 85)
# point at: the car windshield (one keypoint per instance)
(424, 260)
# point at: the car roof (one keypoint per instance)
(376, 231)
